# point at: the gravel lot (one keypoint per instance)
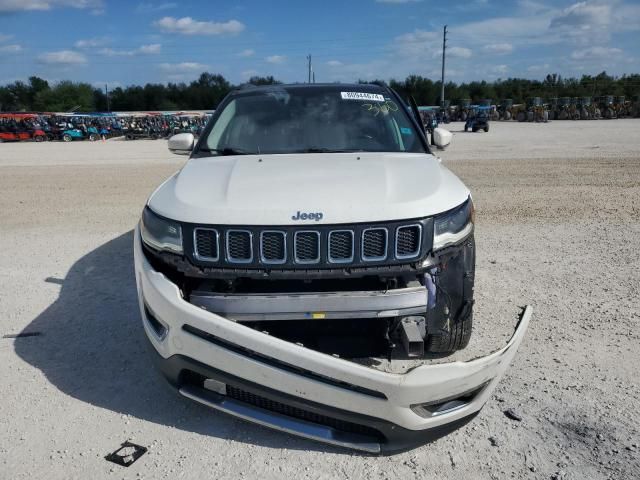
(558, 212)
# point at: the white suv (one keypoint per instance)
(311, 234)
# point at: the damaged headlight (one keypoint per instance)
(453, 226)
(160, 233)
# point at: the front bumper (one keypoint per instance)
(305, 392)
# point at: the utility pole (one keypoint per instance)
(309, 66)
(106, 91)
(444, 49)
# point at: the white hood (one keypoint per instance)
(343, 187)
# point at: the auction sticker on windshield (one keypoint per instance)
(370, 97)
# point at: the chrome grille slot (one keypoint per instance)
(307, 246)
(273, 246)
(408, 239)
(239, 246)
(206, 245)
(341, 246)
(374, 244)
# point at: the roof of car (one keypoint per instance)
(369, 87)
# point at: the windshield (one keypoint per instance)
(312, 120)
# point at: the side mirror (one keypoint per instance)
(442, 137)
(182, 143)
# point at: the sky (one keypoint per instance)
(120, 43)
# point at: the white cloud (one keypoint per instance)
(62, 57)
(189, 26)
(595, 52)
(143, 50)
(92, 42)
(516, 30)
(459, 52)
(183, 67)
(151, 49)
(500, 69)
(4, 38)
(9, 49)
(416, 43)
(155, 7)
(585, 23)
(498, 48)
(583, 15)
(276, 59)
(30, 5)
(247, 53)
(334, 63)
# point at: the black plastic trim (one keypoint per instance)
(272, 362)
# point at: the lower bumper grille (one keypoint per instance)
(289, 411)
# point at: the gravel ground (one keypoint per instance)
(558, 213)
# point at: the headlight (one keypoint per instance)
(160, 233)
(453, 226)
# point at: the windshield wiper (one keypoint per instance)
(327, 150)
(227, 151)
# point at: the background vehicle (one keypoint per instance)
(504, 111)
(478, 119)
(20, 127)
(607, 107)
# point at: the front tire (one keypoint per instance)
(456, 339)
(66, 137)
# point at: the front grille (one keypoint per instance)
(206, 243)
(374, 244)
(239, 249)
(307, 247)
(273, 246)
(289, 411)
(341, 246)
(408, 241)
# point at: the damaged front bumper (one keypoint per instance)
(267, 380)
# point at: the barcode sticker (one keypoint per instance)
(369, 97)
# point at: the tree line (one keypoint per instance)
(205, 93)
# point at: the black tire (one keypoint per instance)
(474, 129)
(466, 129)
(66, 137)
(486, 129)
(457, 339)
(39, 138)
(93, 137)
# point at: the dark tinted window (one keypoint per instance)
(315, 119)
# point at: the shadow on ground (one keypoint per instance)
(92, 348)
